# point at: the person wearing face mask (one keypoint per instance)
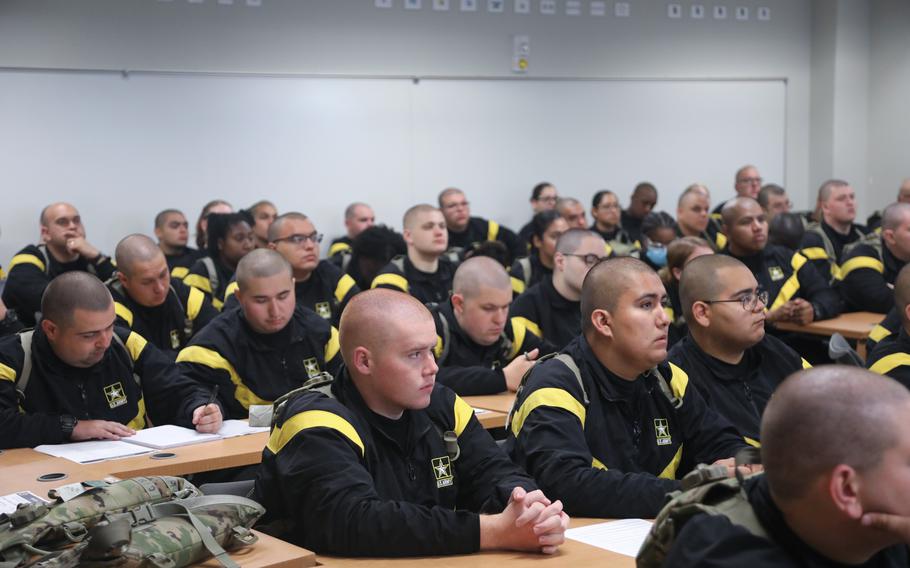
(658, 230)
(546, 227)
(230, 238)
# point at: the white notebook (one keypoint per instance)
(168, 436)
(92, 451)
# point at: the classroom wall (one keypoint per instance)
(352, 37)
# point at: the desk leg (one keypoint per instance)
(861, 348)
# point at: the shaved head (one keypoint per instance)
(605, 283)
(134, 249)
(278, 223)
(826, 416)
(571, 240)
(477, 273)
(894, 215)
(410, 216)
(734, 208)
(447, 192)
(366, 319)
(701, 280)
(261, 263)
(43, 217)
(71, 291)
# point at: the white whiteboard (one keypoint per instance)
(122, 149)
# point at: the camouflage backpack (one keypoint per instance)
(705, 490)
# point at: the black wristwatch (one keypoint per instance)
(67, 425)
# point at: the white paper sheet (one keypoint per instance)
(8, 503)
(624, 537)
(93, 451)
(234, 428)
(169, 436)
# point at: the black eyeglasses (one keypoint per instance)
(589, 259)
(299, 239)
(749, 301)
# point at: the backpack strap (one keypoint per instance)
(25, 339)
(213, 273)
(525, 263)
(563, 358)
(675, 401)
(398, 262)
(446, 338)
(47, 259)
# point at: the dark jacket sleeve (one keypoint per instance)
(515, 245)
(25, 284)
(813, 247)
(815, 288)
(206, 314)
(21, 430)
(525, 307)
(170, 398)
(470, 381)
(866, 289)
(552, 443)
(712, 541)
(324, 484)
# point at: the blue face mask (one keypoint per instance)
(657, 255)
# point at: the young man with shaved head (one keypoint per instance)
(730, 359)
(173, 233)
(835, 491)
(63, 248)
(693, 218)
(480, 349)
(464, 231)
(265, 349)
(609, 426)
(573, 212)
(368, 470)
(823, 242)
(553, 304)
(869, 266)
(424, 272)
(147, 300)
(358, 217)
(79, 377)
(642, 201)
(891, 354)
(319, 285)
(797, 293)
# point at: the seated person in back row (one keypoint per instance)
(465, 232)
(365, 471)
(823, 242)
(538, 265)
(173, 233)
(835, 451)
(891, 355)
(609, 426)
(265, 349)
(480, 349)
(147, 300)
(358, 217)
(318, 284)
(730, 359)
(424, 272)
(63, 248)
(78, 377)
(553, 304)
(229, 239)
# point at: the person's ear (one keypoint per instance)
(701, 313)
(50, 329)
(123, 279)
(559, 261)
(272, 246)
(843, 489)
(361, 360)
(220, 244)
(677, 273)
(458, 303)
(888, 236)
(536, 241)
(406, 234)
(602, 322)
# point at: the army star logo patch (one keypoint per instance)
(662, 431)
(776, 273)
(442, 469)
(115, 395)
(323, 310)
(175, 339)
(312, 366)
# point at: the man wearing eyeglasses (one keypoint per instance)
(553, 304)
(480, 349)
(318, 284)
(824, 241)
(609, 426)
(748, 184)
(465, 231)
(266, 348)
(730, 359)
(797, 292)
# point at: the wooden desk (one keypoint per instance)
(855, 325)
(572, 553)
(269, 552)
(208, 456)
(491, 419)
(501, 402)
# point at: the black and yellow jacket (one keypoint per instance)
(480, 230)
(339, 249)
(824, 247)
(107, 390)
(887, 327)
(327, 291)
(712, 234)
(353, 483)
(678, 326)
(739, 392)
(180, 264)
(612, 447)
(891, 357)
(213, 284)
(527, 271)
(252, 368)
(619, 241)
(557, 319)
(866, 270)
(472, 369)
(400, 274)
(33, 268)
(787, 275)
(170, 326)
